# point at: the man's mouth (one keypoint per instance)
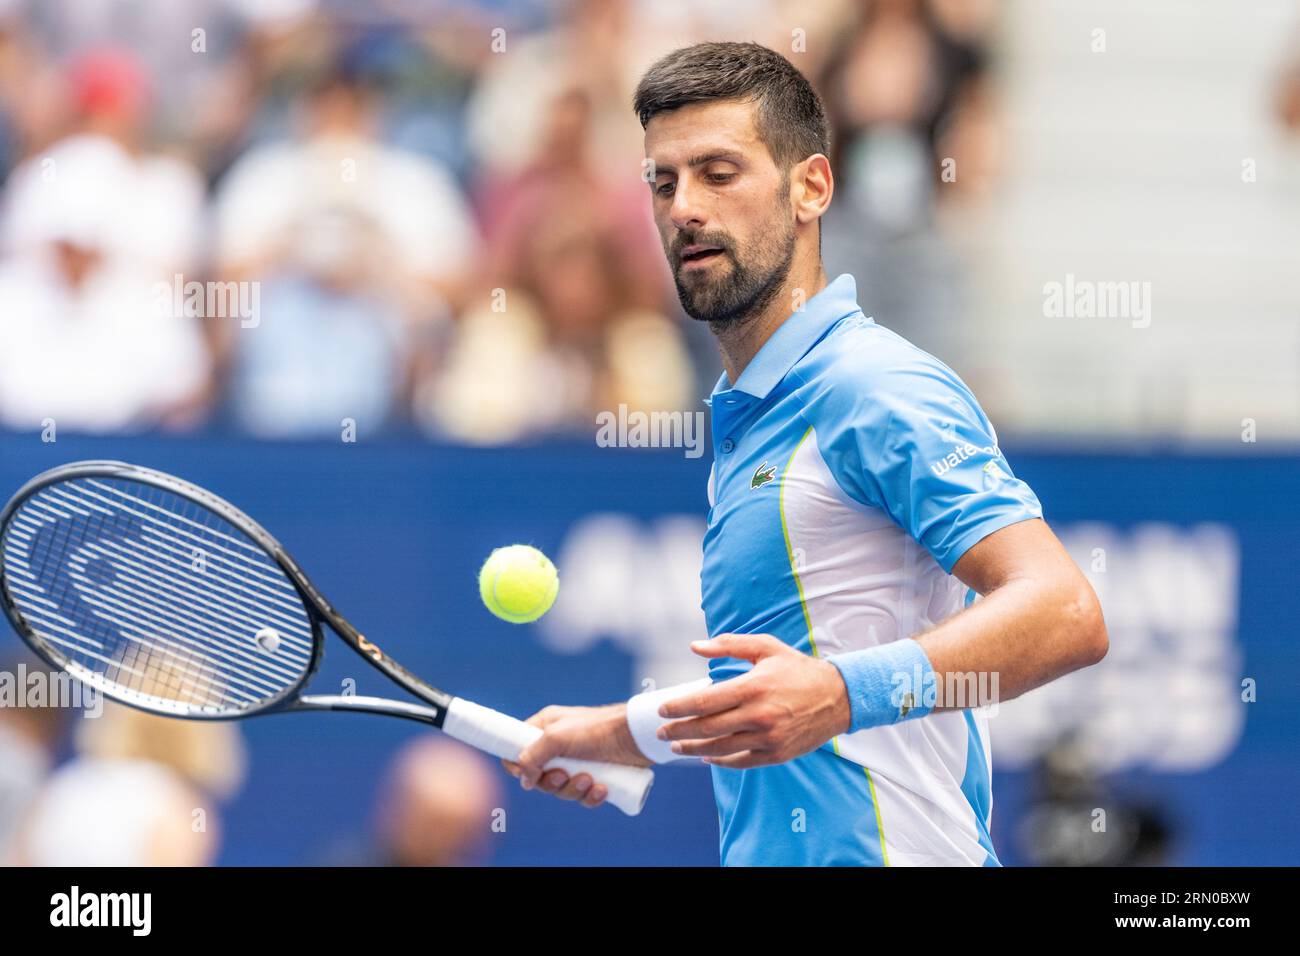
(699, 255)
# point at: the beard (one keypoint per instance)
(726, 298)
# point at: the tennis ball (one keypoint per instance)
(518, 583)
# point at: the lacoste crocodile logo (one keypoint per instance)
(762, 476)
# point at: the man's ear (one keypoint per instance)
(813, 185)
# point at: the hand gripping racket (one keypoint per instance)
(165, 597)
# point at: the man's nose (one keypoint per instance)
(687, 211)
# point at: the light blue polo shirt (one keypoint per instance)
(851, 471)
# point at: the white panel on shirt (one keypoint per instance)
(867, 582)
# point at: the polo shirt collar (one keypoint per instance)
(793, 338)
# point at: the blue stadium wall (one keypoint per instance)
(393, 533)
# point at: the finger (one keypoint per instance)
(749, 647)
(712, 700)
(744, 760)
(546, 716)
(596, 795)
(537, 755)
(718, 746)
(736, 720)
(576, 788)
(553, 781)
(512, 768)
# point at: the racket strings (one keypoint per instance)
(169, 672)
(154, 597)
(273, 586)
(174, 656)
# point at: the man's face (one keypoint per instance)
(723, 210)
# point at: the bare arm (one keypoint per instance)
(1038, 619)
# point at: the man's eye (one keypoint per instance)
(721, 178)
(664, 189)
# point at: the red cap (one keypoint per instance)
(109, 81)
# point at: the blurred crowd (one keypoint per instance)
(288, 217)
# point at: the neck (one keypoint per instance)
(739, 341)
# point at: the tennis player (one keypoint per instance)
(858, 503)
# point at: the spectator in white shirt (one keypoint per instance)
(91, 232)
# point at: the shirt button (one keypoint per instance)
(727, 446)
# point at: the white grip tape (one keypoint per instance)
(504, 736)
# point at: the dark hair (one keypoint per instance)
(790, 119)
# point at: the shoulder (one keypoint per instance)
(864, 373)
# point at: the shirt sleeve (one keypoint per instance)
(911, 439)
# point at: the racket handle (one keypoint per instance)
(504, 736)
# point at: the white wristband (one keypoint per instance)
(644, 721)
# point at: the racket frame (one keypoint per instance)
(319, 611)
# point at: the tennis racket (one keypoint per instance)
(163, 596)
